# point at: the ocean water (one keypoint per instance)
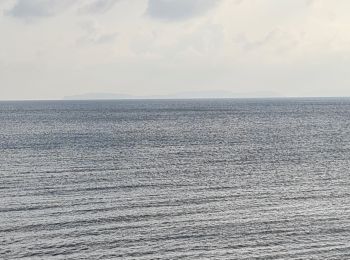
(175, 179)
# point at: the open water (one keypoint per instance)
(175, 179)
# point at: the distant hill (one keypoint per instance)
(180, 95)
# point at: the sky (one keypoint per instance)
(55, 48)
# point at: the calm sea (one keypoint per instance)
(175, 179)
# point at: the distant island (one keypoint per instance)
(180, 95)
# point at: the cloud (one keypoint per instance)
(28, 9)
(174, 10)
(98, 6)
(94, 34)
(104, 38)
(279, 39)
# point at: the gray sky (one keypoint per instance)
(54, 48)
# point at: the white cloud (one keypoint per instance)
(94, 34)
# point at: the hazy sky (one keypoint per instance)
(53, 48)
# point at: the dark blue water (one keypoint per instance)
(205, 179)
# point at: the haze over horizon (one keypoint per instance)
(56, 48)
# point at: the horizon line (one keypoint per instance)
(184, 98)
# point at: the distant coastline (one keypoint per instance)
(180, 95)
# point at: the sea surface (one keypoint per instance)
(175, 179)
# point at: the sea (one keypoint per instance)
(175, 179)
